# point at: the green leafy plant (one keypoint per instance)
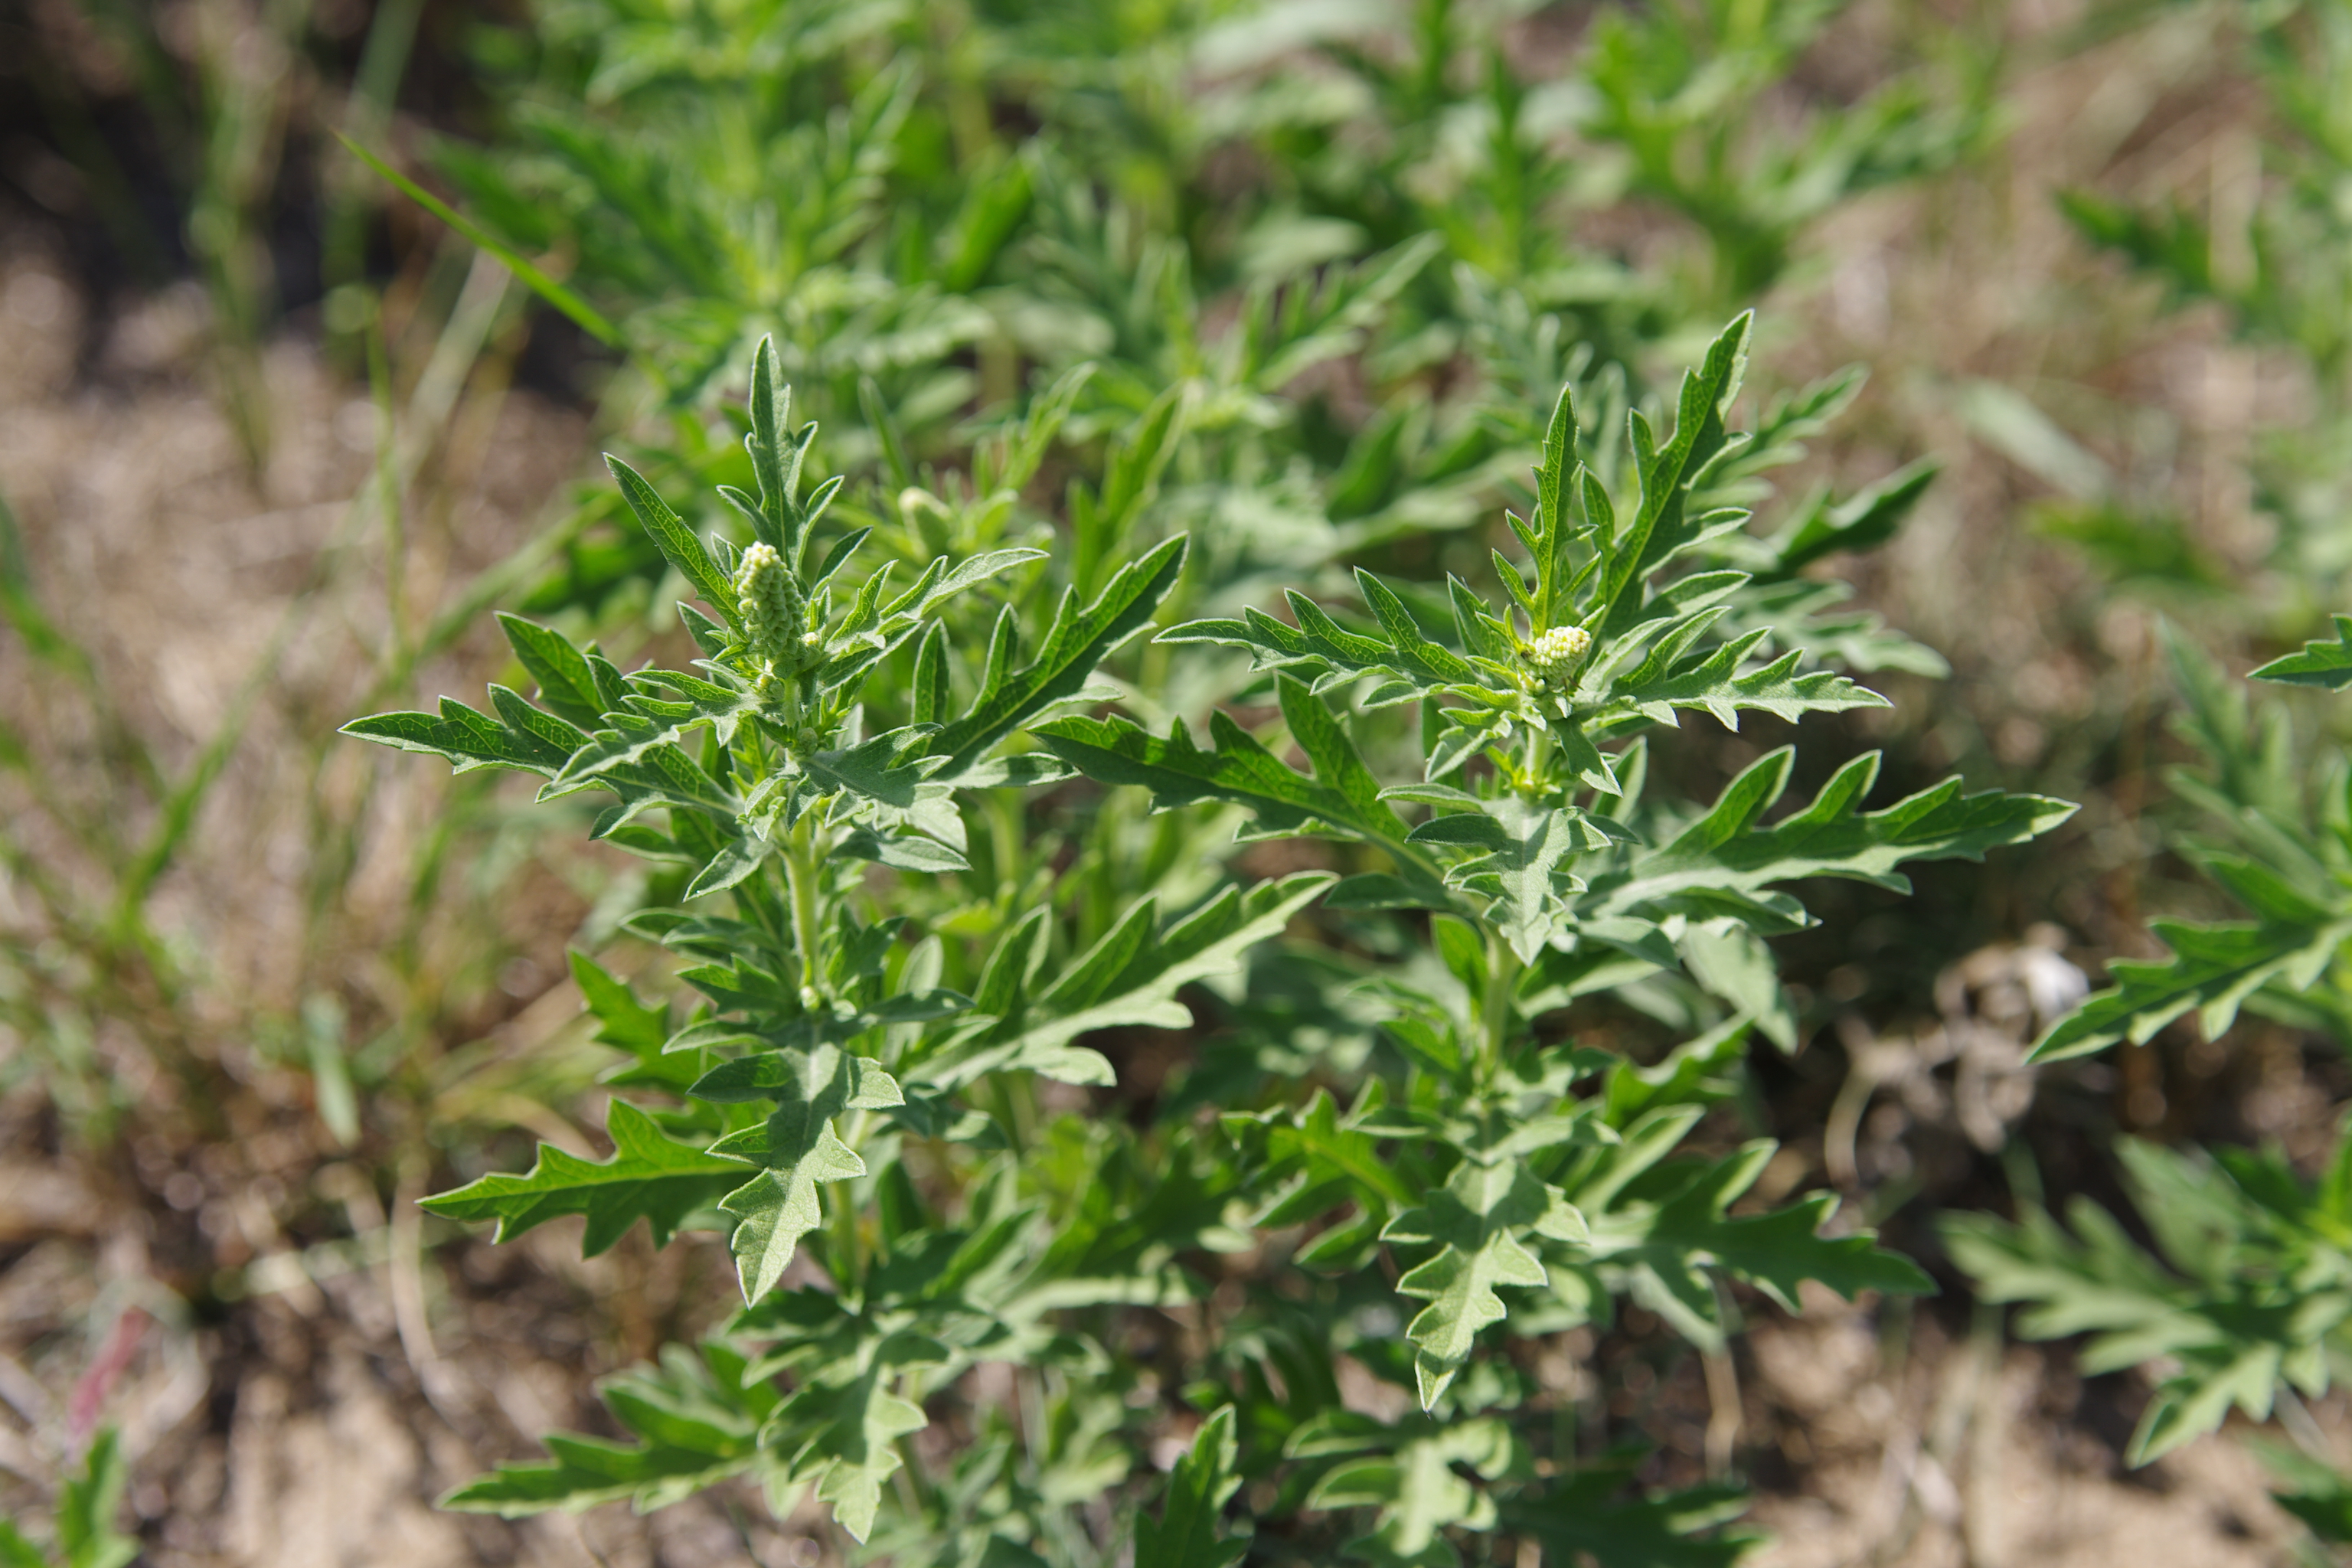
(874, 1091)
(1552, 877)
(2271, 845)
(2244, 1300)
(84, 1534)
(1680, 92)
(779, 780)
(1411, 202)
(2228, 1293)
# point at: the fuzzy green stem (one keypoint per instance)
(915, 1475)
(1004, 831)
(1502, 979)
(848, 1254)
(803, 867)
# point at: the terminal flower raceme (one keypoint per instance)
(769, 601)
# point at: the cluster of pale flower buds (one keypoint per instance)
(1552, 657)
(769, 601)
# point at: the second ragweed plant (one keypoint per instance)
(1388, 1163)
(2244, 1305)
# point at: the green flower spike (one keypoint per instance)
(771, 604)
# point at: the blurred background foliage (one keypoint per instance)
(277, 435)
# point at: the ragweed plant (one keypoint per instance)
(2245, 1302)
(777, 778)
(969, 1307)
(1551, 877)
(2241, 1303)
(1204, 202)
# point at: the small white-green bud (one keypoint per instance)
(770, 605)
(1552, 657)
(915, 502)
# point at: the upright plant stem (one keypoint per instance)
(1539, 757)
(1004, 836)
(1495, 1014)
(848, 1260)
(803, 867)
